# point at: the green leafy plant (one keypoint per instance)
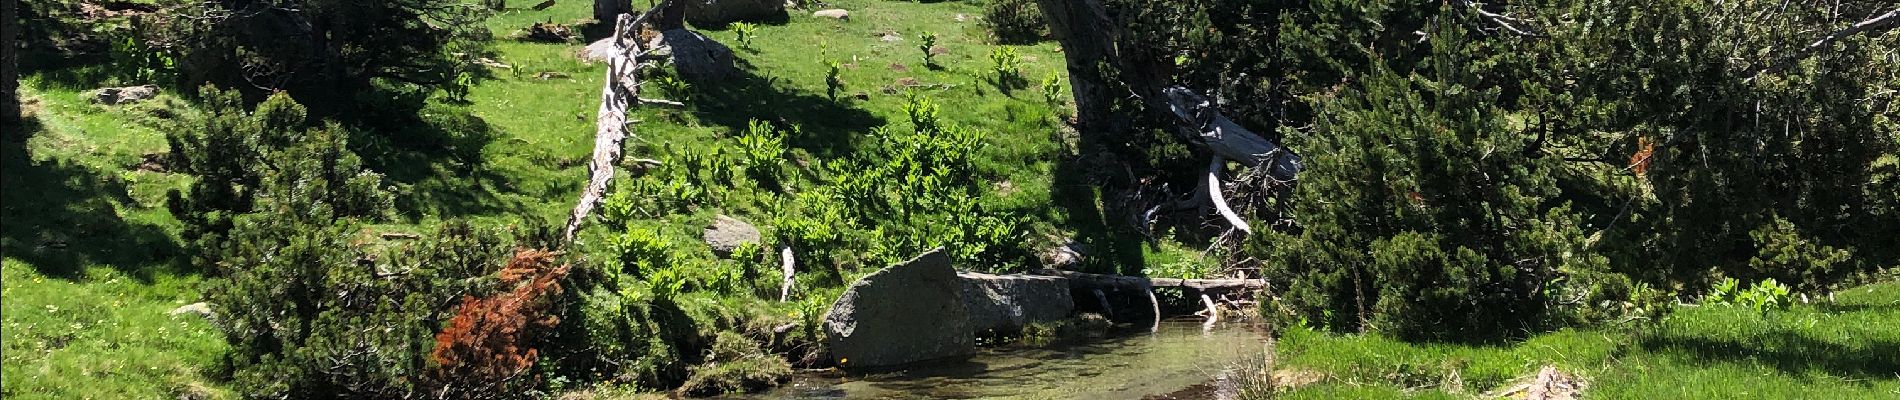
(1004, 63)
(763, 147)
(673, 86)
(745, 32)
(1764, 296)
(928, 46)
(834, 81)
(1052, 87)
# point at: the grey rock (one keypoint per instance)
(699, 59)
(1009, 302)
(835, 13)
(201, 309)
(727, 234)
(902, 314)
(717, 12)
(599, 50)
(124, 95)
(1062, 256)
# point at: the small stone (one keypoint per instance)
(125, 95)
(835, 13)
(201, 309)
(890, 37)
(1064, 255)
(726, 234)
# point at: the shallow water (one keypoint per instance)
(1130, 366)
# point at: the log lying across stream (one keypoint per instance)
(1097, 282)
(1080, 280)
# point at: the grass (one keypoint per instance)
(88, 271)
(1844, 349)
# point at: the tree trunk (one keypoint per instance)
(606, 11)
(670, 15)
(9, 63)
(1088, 43)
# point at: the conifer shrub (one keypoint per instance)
(1420, 214)
(333, 54)
(311, 305)
(1015, 21)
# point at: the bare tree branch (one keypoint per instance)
(1877, 25)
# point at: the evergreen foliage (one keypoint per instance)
(328, 52)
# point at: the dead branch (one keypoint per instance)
(662, 102)
(786, 265)
(1501, 20)
(1220, 202)
(1876, 25)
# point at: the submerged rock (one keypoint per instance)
(905, 313)
(1010, 302)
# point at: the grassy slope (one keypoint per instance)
(89, 247)
(1843, 350)
(87, 277)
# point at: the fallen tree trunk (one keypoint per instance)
(622, 88)
(1082, 280)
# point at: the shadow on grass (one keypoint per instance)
(62, 217)
(829, 128)
(1789, 351)
(434, 158)
(1110, 246)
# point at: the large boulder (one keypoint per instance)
(1006, 303)
(902, 314)
(697, 58)
(721, 12)
(727, 234)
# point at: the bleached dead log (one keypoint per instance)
(786, 265)
(610, 122)
(1082, 280)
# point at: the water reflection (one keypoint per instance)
(1178, 355)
